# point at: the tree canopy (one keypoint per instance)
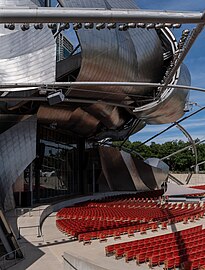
(180, 162)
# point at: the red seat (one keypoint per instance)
(154, 260)
(140, 258)
(119, 253)
(169, 263)
(130, 255)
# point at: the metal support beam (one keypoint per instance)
(181, 150)
(31, 183)
(51, 86)
(47, 3)
(171, 126)
(54, 15)
(70, 100)
(194, 35)
(192, 142)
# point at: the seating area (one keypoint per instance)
(202, 187)
(128, 215)
(184, 249)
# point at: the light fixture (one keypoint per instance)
(55, 97)
(159, 25)
(183, 39)
(64, 26)
(123, 27)
(168, 25)
(186, 32)
(111, 25)
(150, 26)
(100, 26)
(180, 45)
(10, 26)
(132, 25)
(77, 26)
(141, 25)
(38, 26)
(52, 26)
(88, 25)
(176, 25)
(42, 92)
(25, 27)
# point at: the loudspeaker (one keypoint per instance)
(55, 98)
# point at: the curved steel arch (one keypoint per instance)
(192, 142)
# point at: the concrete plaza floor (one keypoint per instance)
(46, 251)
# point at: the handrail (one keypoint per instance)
(12, 257)
(39, 234)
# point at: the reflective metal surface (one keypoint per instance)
(26, 55)
(111, 161)
(106, 55)
(125, 172)
(18, 150)
(103, 50)
(139, 184)
(171, 105)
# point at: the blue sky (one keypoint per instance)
(195, 61)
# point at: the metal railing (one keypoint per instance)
(39, 233)
(12, 258)
(31, 211)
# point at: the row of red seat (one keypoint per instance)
(126, 213)
(156, 239)
(155, 249)
(75, 227)
(199, 187)
(152, 194)
(82, 229)
(179, 248)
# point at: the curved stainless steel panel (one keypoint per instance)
(135, 54)
(139, 184)
(83, 3)
(107, 55)
(171, 105)
(160, 170)
(71, 118)
(129, 4)
(82, 123)
(19, 3)
(26, 56)
(115, 170)
(49, 115)
(149, 57)
(107, 114)
(125, 172)
(151, 177)
(18, 150)
(158, 163)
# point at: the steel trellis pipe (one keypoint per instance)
(54, 15)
